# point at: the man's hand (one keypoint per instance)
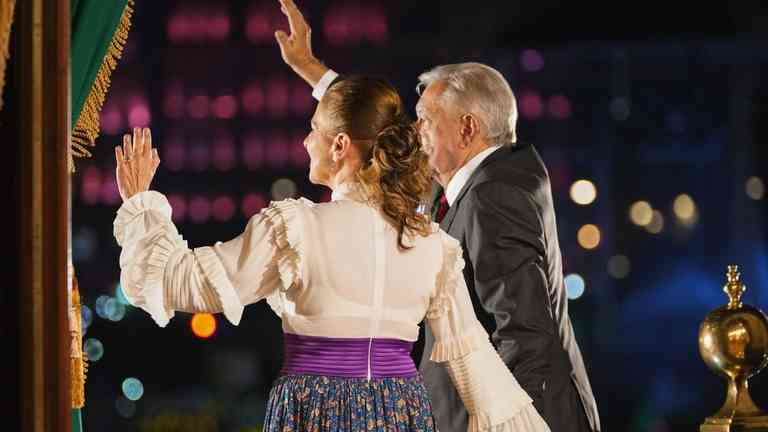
(296, 48)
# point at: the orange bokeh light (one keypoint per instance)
(203, 325)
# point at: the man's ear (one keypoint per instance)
(469, 127)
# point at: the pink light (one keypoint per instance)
(173, 104)
(199, 156)
(109, 193)
(336, 27)
(223, 208)
(302, 99)
(253, 152)
(532, 60)
(218, 26)
(356, 22)
(252, 204)
(90, 186)
(198, 106)
(199, 209)
(174, 156)
(178, 28)
(278, 150)
(139, 116)
(199, 23)
(277, 97)
(531, 105)
(111, 119)
(299, 155)
(224, 153)
(258, 28)
(253, 99)
(376, 27)
(225, 107)
(559, 107)
(179, 206)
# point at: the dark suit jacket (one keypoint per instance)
(505, 221)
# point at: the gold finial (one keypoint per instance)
(734, 288)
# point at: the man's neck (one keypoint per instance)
(445, 178)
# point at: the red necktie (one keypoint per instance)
(442, 209)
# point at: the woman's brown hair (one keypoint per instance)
(395, 172)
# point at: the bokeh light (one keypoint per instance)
(100, 306)
(203, 325)
(252, 204)
(120, 295)
(619, 266)
(114, 310)
(559, 107)
(574, 286)
(531, 105)
(755, 188)
(641, 213)
(657, 223)
(589, 236)
(90, 186)
(223, 208)
(133, 389)
(531, 60)
(684, 207)
(86, 317)
(93, 349)
(583, 192)
(199, 209)
(283, 188)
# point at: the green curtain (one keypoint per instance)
(99, 32)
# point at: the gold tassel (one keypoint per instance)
(79, 366)
(6, 18)
(86, 129)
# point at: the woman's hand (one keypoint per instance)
(137, 162)
(296, 48)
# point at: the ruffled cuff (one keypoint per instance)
(135, 206)
(149, 286)
(448, 278)
(217, 276)
(286, 231)
(524, 419)
(451, 349)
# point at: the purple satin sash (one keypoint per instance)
(347, 357)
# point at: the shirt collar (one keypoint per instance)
(348, 191)
(464, 173)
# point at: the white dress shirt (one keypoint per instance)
(322, 86)
(457, 182)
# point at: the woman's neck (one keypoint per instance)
(346, 174)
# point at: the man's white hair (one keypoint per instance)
(480, 90)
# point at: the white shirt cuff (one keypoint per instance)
(322, 85)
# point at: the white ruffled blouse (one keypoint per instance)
(331, 270)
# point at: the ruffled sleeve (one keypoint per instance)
(161, 274)
(491, 394)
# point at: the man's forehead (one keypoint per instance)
(430, 95)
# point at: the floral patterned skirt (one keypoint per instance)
(334, 404)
